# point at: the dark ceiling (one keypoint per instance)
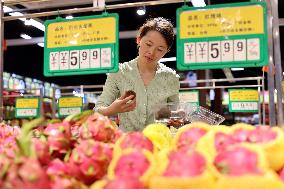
(28, 60)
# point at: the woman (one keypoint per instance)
(153, 82)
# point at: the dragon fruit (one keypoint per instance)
(132, 165)
(237, 161)
(59, 138)
(42, 150)
(185, 164)
(223, 141)
(190, 137)
(124, 183)
(97, 127)
(136, 140)
(262, 134)
(89, 161)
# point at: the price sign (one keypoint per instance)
(222, 36)
(189, 96)
(243, 100)
(27, 107)
(69, 105)
(69, 111)
(83, 45)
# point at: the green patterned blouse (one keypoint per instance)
(162, 89)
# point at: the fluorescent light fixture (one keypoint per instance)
(198, 3)
(237, 69)
(7, 9)
(141, 11)
(25, 36)
(170, 59)
(37, 24)
(70, 17)
(40, 44)
(32, 22)
(28, 22)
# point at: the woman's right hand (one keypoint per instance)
(123, 104)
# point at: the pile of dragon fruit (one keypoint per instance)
(88, 150)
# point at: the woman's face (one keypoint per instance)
(153, 47)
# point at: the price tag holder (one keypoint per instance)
(243, 100)
(222, 36)
(83, 45)
(69, 105)
(27, 107)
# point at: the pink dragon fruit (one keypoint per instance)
(57, 168)
(59, 138)
(97, 127)
(190, 137)
(42, 150)
(137, 140)
(117, 134)
(281, 174)
(89, 161)
(124, 183)
(132, 165)
(241, 135)
(262, 134)
(183, 164)
(223, 141)
(237, 161)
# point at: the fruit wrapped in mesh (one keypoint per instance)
(133, 140)
(120, 183)
(188, 135)
(135, 164)
(181, 169)
(245, 167)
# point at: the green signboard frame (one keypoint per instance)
(36, 109)
(263, 41)
(242, 101)
(59, 107)
(114, 49)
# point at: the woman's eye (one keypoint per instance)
(148, 44)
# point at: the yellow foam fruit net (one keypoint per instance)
(159, 134)
(274, 150)
(98, 184)
(187, 127)
(146, 176)
(207, 143)
(203, 181)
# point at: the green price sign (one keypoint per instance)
(27, 107)
(69, 105)
(83, 45)
(243, 100)
(222, 36)
(189, 97)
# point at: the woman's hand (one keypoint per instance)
(123, 104)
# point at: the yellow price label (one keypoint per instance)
(70, 102)
(81, 32)
(244, 95)
(27, 103)
(242, 20)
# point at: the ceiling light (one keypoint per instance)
(25, 36)
(170, 59)
(198, 3)
(237, 69)
(7, 9)
(69, 17)
(40, 44)
(37, 24)
(141, 11)
(28, 22)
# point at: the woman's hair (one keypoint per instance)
(161, 25)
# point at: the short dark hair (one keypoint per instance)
(161, 25)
